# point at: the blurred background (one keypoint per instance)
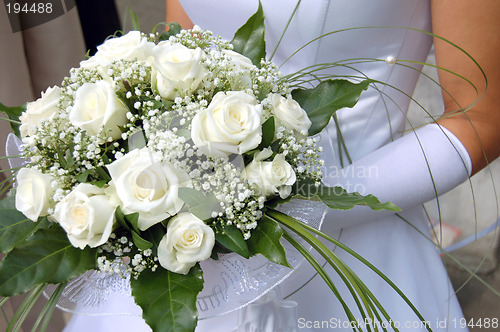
(39, 57)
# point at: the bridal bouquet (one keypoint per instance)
(162, 151)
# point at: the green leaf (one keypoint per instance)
(232, 238)
(128, 221)
(13, 113)
(268, 129)
(140, 242)
(154, 235)
(173, 29)
(167, 299)
(133, 220)
(249, 39)
(103, 173)
(9, 202)
(338, 198)
(47, 257)
(82, 177)
(218, 249)
(200, 204)
(137, 140)
(15, 228)
(120, 218)
(265, 240)
(322, 101)
(134, 19)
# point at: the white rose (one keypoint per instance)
(127, 47)
(87, 214)
(33, 192)
(97, 107)
(270, 177)
(230, 124)
(239, 61)
(187, 242)
(241, 67)
(288, 113)
(147, 187)
(42, 109)
(177, 70)
(100, 64)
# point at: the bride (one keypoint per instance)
(376, 158)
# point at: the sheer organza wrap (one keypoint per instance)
(230, 283)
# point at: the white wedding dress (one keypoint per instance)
(398, 249)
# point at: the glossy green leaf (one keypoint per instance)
(200, 204)
(140, 242)
(249, 39)
(154, 235)
(129, 221)
(167, 299)
(232, 238)
(13, 113)
(338, 198)
(266, 240)
(82, 177)
(322, 101)
(47, 257)
(120, 218)
(218, 249)
(9, 202)
(268, 131)
(15, 228)
(173, 29)
(133, 220)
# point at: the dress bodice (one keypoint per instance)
(380, 115)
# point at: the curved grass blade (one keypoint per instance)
(333, 260)
(48, 309)
(25, 308)
(362, 260)
(315, 264)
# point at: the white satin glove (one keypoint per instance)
(412, 170)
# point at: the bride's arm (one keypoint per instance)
(175, 13)
(426, 164)
(475, 27)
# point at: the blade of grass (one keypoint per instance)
(315, 264)
(48, 309)
(362, 260)
(333, 260)
(25, 308)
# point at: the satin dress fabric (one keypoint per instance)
(356, 30)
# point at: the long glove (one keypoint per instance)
(412, 170)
